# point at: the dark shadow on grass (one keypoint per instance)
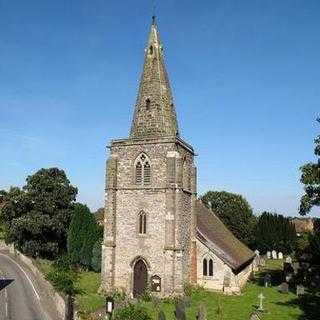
(309, 303)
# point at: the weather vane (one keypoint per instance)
(153, 10)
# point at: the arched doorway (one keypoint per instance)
(140, 278)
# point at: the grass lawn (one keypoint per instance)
(278, 306)
(88, 283)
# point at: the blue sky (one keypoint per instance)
(245, 77)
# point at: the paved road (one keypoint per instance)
(20, 300)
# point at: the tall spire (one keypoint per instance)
(154, 114)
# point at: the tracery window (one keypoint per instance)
(207, 266)
(142, 223)
(142, 170)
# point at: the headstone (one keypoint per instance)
(267, 280)
(300, 289)
(201, 314)
(289, 277)
(262, 262)
(180, 312)
(274, 254)
(296, 267)
(268, 255)
(284, 287)
(280, 255)
(227, 279)
(261, 297)
(288, 259)
(161, 315)
(257, 253)
(254, 316)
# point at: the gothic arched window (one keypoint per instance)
(142, 223)
(210, 268)
(205, 267)
(142, 170)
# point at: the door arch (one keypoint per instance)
(140, 278)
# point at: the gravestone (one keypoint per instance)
(262, 262)
(288, 259)
(201, 314)
(280, 255)
(268, 255)
(227, 279)
(300, 290)
(257, 253)
(180, 312)
(284, 287)
(161, 315)
(254, 316)
(267, 280)
(289, 277)
(261, 297)
(274, 254)
(296, 267)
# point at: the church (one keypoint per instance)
(157, 235)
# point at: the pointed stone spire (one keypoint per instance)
(154, 115)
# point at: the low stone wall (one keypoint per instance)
(46, 286)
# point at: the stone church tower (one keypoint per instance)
(157, 235)
(150, 192)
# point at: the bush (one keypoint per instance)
(131, 312)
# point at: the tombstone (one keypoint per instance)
(261, 297)
(284, 287)
(280, 255)
(201, 314)
(257, 253)
(268, 255)
(227, 279)
(161, 315)
(296, 267)
(254, 316)
(267, 280)
(262, 262)
(274, 254)
(300, 290)
(180, 312)
(288, 259)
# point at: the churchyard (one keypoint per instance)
(279, 301)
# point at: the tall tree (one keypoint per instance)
(37, 217)
(275, 232)
(310, 177)
(235, 212)
(82, 235)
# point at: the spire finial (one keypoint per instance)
(154, 12)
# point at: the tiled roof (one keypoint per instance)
(217, 237)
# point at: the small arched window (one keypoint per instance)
(210, 268)
(205, 267)
(142, 223)
(151, 50)
(142, 170)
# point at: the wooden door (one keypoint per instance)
(140, 278)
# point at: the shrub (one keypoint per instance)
(131, 312)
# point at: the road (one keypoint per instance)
(20, 300)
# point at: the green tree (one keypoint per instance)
(275, 232)
(310, 177)
(37, 216)
(82, 235)
(235, 212)
(96, 256)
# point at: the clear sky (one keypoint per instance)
(245, 78)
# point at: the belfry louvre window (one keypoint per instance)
(142, 223)
(142, 170)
